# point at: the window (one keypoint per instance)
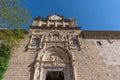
(35, 41)
(74, 41)
(99, 43)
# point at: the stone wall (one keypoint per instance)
(91, 62)
(97, 61)
(89, 65)
(21, 64)
(110, 52)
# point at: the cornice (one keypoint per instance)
(52, 28)
(100, 34)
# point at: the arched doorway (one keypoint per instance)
(54, 64)
(55, 75)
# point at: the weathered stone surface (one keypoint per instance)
(110, 52)
(21, 63)
(81, 59)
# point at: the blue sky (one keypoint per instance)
(90, 14)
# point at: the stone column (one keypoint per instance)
(40, 23)
(31, 40)
(55, 23)
(63, 24)
(48, 23)
(36, 72)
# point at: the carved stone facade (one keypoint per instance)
(64, 52)
(54, 45)
(64, 47)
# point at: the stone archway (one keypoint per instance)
(53, 60)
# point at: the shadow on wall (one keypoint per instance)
(31, 70)
(31, 66)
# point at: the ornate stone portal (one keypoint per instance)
(53, 60)
(52, 47)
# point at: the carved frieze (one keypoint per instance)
(55, 57)
(54, 36)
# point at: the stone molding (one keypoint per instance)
(52, 28)
(100, 34)
(54, 20)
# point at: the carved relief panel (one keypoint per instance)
(55, 58)
(54, 36)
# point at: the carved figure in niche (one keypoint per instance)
(37, 65)
(55, 36)
(55, 57)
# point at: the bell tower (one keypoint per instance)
(52, 40)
